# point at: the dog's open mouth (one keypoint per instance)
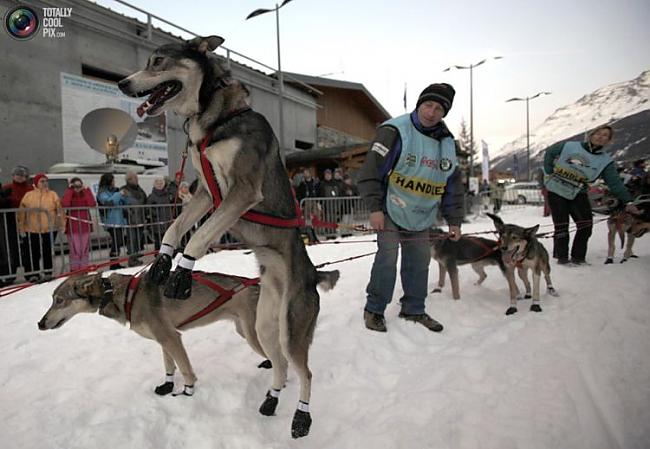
(59, 324)
(510, 256)
(159, 95)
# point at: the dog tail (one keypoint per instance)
(327, 279)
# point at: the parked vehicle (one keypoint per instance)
(523, 193)
(59, 175)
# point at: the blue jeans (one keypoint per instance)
(414, 269)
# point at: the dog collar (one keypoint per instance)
(107, 295)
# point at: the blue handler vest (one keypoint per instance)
(417, 182)
(574, 168)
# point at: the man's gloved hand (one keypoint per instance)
(454, 233)
(377, 220)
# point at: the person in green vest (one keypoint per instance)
(410, 175)
(570, 167)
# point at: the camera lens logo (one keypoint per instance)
(21, 23)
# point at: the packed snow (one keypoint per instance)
(576, 375)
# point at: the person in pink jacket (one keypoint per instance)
(79, 225)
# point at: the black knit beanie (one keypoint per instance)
(442, 93)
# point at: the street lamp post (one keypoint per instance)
(471, 105)
(527, 100)
(258, 12)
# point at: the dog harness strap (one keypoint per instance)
(224, 295)
(251, 215)
(485, 247)
(129, 294)
(518, 262)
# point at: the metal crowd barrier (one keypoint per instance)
(89, 235)
(102, 233)
(351, 213)
(348, 212)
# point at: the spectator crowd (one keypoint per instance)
(33, 217)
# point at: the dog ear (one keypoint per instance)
(532, 232)
(498, 222)
(89, 285)
(207, 44)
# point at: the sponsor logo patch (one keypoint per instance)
(577, 160)
(379, 148)
(445, 164)
(397, 201)
(411, 159)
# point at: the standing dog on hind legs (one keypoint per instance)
(237, 158)
(520, 249)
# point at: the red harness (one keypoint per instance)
(251, 215)
(129, 294)
(223, 295)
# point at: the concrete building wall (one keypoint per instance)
(30, 91)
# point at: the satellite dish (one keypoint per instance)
(109, 131)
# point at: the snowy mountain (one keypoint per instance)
(622, 105)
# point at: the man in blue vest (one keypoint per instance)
(410, 175)
(570, 167)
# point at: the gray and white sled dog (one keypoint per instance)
(153, 318)
(241, 167)
(520, 249)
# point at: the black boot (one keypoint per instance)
(266, 364)
(511, 310)
(269, 405)
(160, 268)
(301, 424)
(164, 389)
(179, 284)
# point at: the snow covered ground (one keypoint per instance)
(576, 375)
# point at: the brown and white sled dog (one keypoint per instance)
(244, 160)
(635, 226)
(154, 318)
(520, 249)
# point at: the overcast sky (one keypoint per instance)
(567, 47)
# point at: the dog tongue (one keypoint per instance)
(151, 101)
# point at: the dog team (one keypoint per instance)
(242, 178)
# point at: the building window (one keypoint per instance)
(302, 145)
(101, 74)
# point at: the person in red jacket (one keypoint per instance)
(78, 227)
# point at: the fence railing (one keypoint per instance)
(351, 213)
(348, 212)
(36, 244)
